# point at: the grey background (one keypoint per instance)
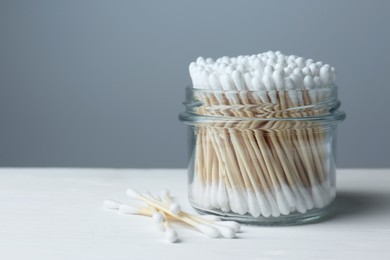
(100, 83)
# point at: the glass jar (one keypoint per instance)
(262, 157)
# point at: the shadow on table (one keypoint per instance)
(360, 204)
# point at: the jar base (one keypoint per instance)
(312, 216)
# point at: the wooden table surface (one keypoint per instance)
(56, 214)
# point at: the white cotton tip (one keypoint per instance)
(175, 208)
(111, 204)
(158, 217)
(222, 198)
(317, 82)
(278, 77)
(248, 81)
(306, 71)
(318, 197)
(238, 202)
(133, 193)
(265, 208)
(314, 69)
(268, 82)
(225, 231)
(204, 79)
(308, 82)
(257, 83)
(297, 79)
(306, 197)
(226, 82)
(159, 226)
(209, 61)
(211, 217)
(325, 74)
(309, 62)
(300, 205)
(238, 80)
(253, 205)
(128, 209)
(200, 61)
(288, 71)
(289, 195)
(165, 193)
(269, 69)
(208, 230)
(171, 235)
(275, 212)
(300, 62)
(232, 224)
(214, 194)
(282, 202)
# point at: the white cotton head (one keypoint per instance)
(128, 209)
(287, 71)
(200, 61)
(209, 60)
(165, 192)
(318, 197)
(325, 74)
(192, 67)
(214, 81)
(308, 82)
(171, 235)
(111, 204)
(317, 82)
(227, 82)
(300, 62)
(269, 69)
(208, 230)
(314, 69)
(308, 62)
(268, 82)
(232, 224)
(258, 65)
(241, 68)
(133, 193)
(257, 83)
(297, 79)
(226, 232)
(289, 83)
(248, 81)
(229, 69)
(290, 86)
(292, 65)
(157, 217)
(222, 67)
(306, 71)
(253, 205)
(175, 208)
(238, 80)
(226, 59)
(282, 202)
(319, 64)
(278, 77)
(204, 79)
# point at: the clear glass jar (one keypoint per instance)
(262, 157)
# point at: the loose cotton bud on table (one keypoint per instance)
(164, 211)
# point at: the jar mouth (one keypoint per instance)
(314, 105)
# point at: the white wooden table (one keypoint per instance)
(56, 214)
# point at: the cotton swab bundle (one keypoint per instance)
(160, 210)
(268, 167)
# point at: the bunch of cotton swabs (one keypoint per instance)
(164, 210)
